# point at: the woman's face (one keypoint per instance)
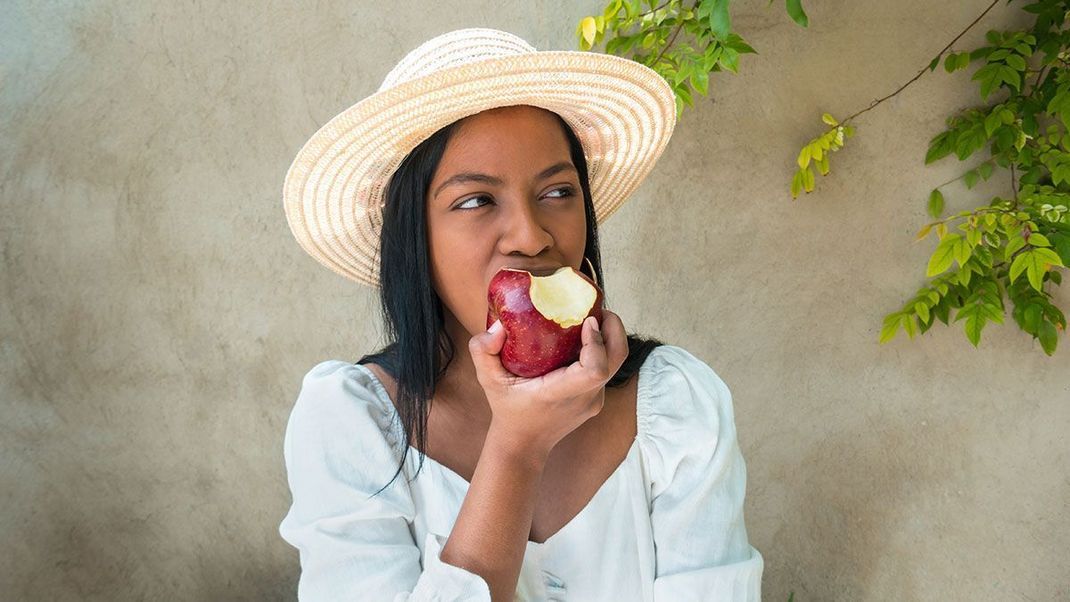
(504, 194)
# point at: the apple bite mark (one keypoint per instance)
(564, 297)
(542, 317)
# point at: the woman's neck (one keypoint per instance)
(459, 389)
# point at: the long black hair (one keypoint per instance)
(419, 349)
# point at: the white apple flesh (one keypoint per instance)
(542, 316)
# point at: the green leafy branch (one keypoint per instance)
(1028, 234)
(833, 139)
(1008, 248)
(653, 38)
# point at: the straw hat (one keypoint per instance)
(622, 112)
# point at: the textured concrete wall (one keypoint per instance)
(157, 316)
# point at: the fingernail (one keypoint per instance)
(496, 326)
(596, 327)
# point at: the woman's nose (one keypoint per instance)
(523, 231)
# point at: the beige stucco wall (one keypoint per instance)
(156, 314)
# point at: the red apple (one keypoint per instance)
(542, 316)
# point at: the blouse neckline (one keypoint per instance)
(644, 390)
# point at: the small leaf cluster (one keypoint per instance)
(996, 246)
(816, 154)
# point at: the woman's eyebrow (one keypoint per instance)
(461, 178)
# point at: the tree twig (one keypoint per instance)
(676, 31)
(922, 72)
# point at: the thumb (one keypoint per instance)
(486, 348)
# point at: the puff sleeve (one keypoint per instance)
(339, 448)
(698, 482)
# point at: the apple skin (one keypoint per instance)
(534, 344)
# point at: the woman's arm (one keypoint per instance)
(491, 532)
(530, 416)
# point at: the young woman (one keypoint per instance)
(618, 477)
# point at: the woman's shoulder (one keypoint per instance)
(681, 402)
(676, 382)
(343, 400)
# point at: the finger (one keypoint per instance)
(486, 349)
(593, 359)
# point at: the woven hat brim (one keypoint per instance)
(622, 112)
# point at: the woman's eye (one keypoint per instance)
(462, 204)
(557, 193)
(565, 190)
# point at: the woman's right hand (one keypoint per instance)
(533, 414)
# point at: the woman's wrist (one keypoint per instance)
(505, 446)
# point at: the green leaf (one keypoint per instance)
(1048, 337)
(829, 119)
(682, 73)
(992, 312)
(729, 60)
(685, 95)
(934, 63)
(1062, 246)
(964, 276)
(720, 21)
(992, 123)
(808, 180)
(1016, 62)
(1032, 262)
(939, 147)
(796, 183)
(923, 232)
(736, 43)
(589, 28)
(941, 310)
(975, 323)
(908, 324)
(891, 325)
(700, 80)
(1046, 254)
(1018, 266)
(936, 202)
(1032, 318)
(795, 11)
(611, 9)
(823, 165)
(950, 62)
(1015, 243)
(970, 178)
(943, 256)
(990, 78)
(804, 156)
(1011, 77)
(922, 310)
(1039, 240)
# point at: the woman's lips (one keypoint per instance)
(543, 271)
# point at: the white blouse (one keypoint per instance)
(667, 525)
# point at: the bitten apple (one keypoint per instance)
(542, 316)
